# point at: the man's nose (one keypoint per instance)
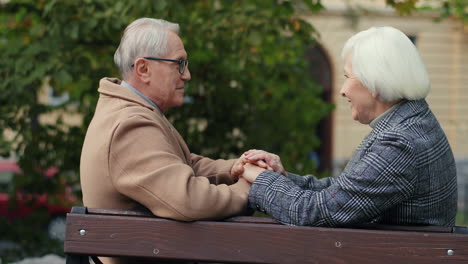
(186, 75)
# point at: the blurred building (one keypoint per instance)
(444, 49)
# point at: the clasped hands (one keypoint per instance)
(253, 162)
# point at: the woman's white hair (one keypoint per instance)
(144, 37)
(386, 61)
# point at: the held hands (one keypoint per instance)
(264, 160)
(238, 168)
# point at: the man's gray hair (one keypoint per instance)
(144, 37)
(386, 61)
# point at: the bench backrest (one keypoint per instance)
(100, 232)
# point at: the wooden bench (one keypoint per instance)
(101, 232)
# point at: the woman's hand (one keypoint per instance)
(251, 172)
(265, 160)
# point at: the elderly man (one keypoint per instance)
(132, 155)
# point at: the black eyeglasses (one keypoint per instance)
(182, 63)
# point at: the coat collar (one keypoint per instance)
(112, 87)
(406, 109)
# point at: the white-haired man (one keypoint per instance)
(132, 155)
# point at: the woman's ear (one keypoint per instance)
(141, 70)
(376, 95)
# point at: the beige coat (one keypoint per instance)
(133, 156)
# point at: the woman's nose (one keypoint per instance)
(342, 91)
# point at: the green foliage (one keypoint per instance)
(456, 9)
(250, 85)
(403, 7)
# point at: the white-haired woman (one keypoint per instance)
(402, 173)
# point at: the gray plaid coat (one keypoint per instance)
(402, 173)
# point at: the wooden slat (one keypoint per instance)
(98, 211)
(238, 242)
(266, 220)
(430, 229)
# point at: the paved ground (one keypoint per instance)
(4, 244)
(47, 259)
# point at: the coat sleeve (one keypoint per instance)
(310, 182)
(217, 171)
(146, 166)
(384, 177)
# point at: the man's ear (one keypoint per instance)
(142, 70)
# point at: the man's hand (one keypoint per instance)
(238, 168)
(265, 160)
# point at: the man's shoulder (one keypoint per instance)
(127, 111)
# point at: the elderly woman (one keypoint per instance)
(402, 173)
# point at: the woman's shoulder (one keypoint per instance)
(413, 119)
(419, 129)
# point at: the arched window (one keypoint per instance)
(321, 71)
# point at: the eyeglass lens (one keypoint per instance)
(182, 65)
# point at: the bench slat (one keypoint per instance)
(266, 220)
(247, 242)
